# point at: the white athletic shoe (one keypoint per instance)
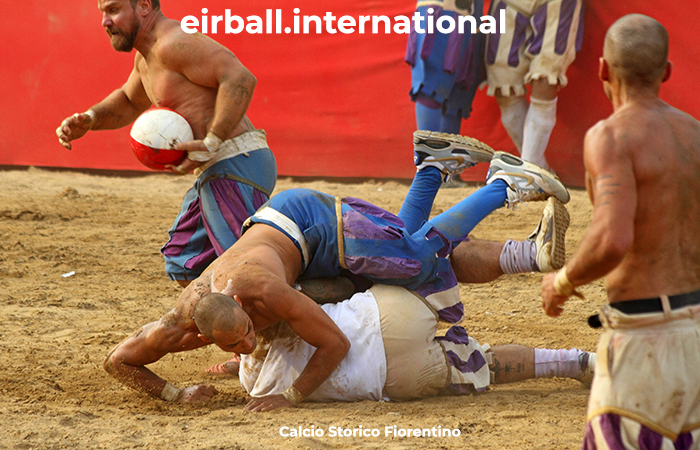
(450, 153)
(526, 181)
(549, 236)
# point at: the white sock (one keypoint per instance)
(518, 257)
(559, 363)
(513, 112)
(539, 123)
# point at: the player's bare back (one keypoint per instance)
(663, 147)
(261, 255)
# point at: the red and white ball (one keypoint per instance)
(154, 136)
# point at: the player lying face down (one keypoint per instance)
(231, 327)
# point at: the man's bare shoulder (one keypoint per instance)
(685, 122)
(169, 31)
(183, 313)
(627, 131)
(247, 265)
(603, 137)
(175, 43)
(600, 128)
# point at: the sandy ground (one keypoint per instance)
(107, 231)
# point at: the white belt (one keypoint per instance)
(287, 225)
(243, 143)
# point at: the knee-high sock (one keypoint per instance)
(559, 363)
(427, 118)
(457, 222)
(539, 123)
(518, 257)
(432, 119)
(451, 124)
(513, 112)
(415, 210)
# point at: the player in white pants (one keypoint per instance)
(540, 42)
(396, 355)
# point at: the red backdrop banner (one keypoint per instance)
(333, 105)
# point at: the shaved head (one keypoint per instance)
(636, 49)
(217, 312)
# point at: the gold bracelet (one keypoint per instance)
(563, 286)
(170, 393)
(293, 395)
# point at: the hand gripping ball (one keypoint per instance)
(154, 136)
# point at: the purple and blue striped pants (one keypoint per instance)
(214, 209)
(613, 432)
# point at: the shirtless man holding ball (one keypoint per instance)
(204, 82)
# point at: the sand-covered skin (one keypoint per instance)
(108, 230)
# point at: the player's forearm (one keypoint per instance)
(321, 365)
(127, 361)
(136, 377)
(599, 253)
(115, 111)
(232, 100)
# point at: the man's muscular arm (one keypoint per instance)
(311, 324)
(127, 361)
(612, 188)
(117, 110)
(123, 106)
(236, 86)
(206, 63)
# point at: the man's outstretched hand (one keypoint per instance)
(267, 403)
(197, 394)
(552, 302)
(74, 127)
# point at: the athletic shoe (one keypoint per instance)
(526, 181)
(549, 236)
(586, 362)
(450, 153)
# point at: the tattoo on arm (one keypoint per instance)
(606, 188)
(240, 93)
(237, 90)
(600, 198)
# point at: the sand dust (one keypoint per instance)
(80, 269)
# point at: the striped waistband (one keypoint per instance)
(243, 143)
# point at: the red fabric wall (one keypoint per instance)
(333, 105)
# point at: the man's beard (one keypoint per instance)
(121, 41)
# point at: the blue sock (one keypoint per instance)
(451, 124)
(433, 120)
(457, 222)
(416, 207)
(427, 118)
